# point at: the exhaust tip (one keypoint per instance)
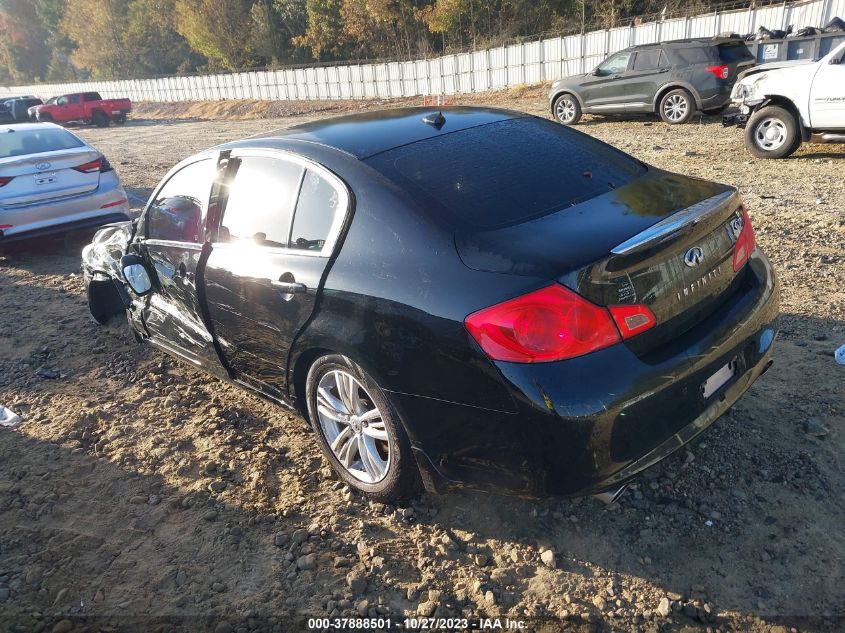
(609, 496)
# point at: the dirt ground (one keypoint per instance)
(140, 494)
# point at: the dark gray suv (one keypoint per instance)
(672, 79)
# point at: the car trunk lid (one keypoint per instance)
(663, 240)
(42, 177)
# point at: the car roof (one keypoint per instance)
(366, 134)
(23, 127)
(704, 41)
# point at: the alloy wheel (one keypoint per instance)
(565, 109)
(770, 134)
(353, 426)
(675, 107)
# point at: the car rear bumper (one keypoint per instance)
(592, 423)
(107, 203)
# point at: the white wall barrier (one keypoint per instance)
(491, 69)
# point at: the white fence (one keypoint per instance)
(490, 69)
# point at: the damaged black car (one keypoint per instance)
(468, 298)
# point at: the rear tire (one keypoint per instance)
(100, 119)
(676, 107)
(371, 454)
(772, 132)
(566, 109)
(120, 119)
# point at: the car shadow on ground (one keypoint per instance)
(646, 119)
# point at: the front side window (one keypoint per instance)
(614, 65)
(178, 211)
(316, 211)
(261, 200)
(61, 101)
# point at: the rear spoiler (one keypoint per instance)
(681, 221)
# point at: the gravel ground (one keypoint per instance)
(141, 493)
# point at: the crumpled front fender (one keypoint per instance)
(101, 258)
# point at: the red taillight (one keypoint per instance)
(632, 319)
(552, 323)
(719, 72)
(745, 243)
(5, 180)
(90, 168)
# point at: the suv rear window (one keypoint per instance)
(506, 172)
(23, 142)
(737, 52)
(696, 55)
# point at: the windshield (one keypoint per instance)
(23, 142)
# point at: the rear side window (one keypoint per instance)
(178, 211)
(23, 142)
(737, 52)
(506, 172)
(692, 55)
(647, 60)
(261, 200)
(91, 96)
(74, 98)
(316, 211)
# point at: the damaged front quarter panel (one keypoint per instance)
(102, 275)
(101, 258)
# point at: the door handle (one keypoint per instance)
(290, 287)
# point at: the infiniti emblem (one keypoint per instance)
(42, 166)
(693, 257)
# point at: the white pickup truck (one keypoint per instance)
(784, 104)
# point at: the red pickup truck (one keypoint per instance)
(88, 107)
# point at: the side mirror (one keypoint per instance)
(136, 275)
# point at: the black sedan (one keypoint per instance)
(474, 298)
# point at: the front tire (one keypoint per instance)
(772, 132)
(676, 107)
(566, 109)
(358, 430)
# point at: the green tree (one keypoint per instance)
(324, 35)
(23, 57)
(97, 29)
(220, 30)
(152, 36)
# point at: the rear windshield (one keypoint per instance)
(506, 172)
(22, 142)
(737, 52)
